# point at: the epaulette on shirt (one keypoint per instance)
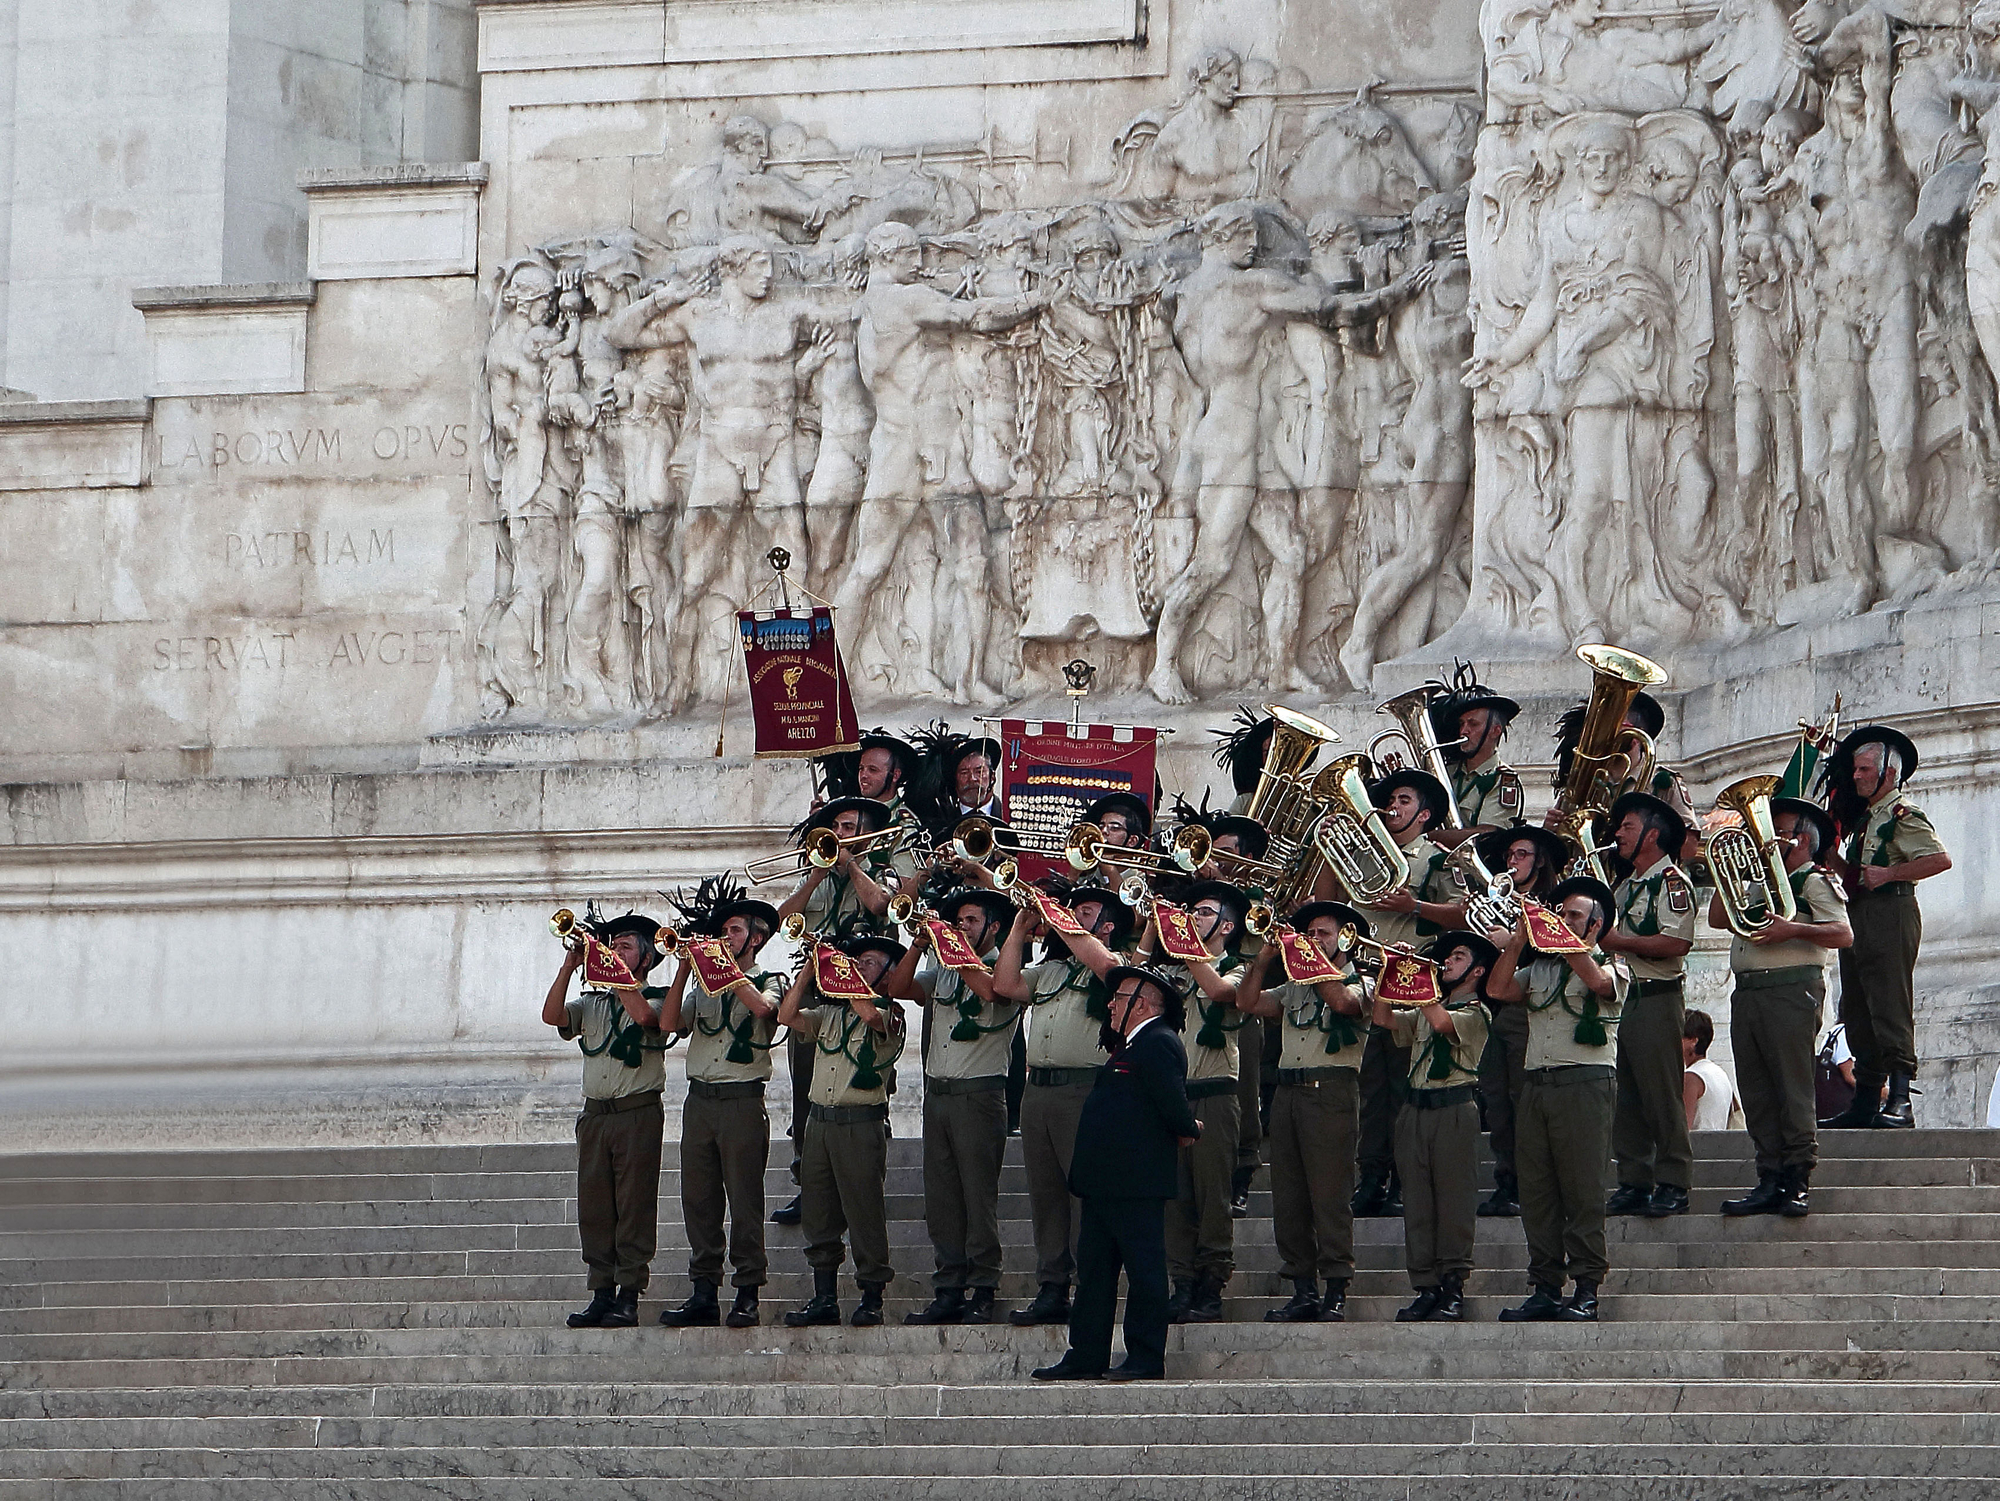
(1680, 897)
(1508, 791)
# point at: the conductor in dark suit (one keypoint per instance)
(1125, 1169)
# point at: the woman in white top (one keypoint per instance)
(1706, 1088)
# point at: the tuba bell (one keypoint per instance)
(1412, 713)
(1353, 839)
(1610, 756)
(1748, 860)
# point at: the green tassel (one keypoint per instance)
(866, 1075)
(1211, 1034)
(625, 1046)
(1341, 1033)
(740, 1050)
(1440, 1053)
(1590, 1031)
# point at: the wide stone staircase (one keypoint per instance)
(388, 1322)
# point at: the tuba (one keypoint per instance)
(1610, 756)
(1352, 838)
(1748, 860)
(1412, 713)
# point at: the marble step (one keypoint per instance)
(1529, 1399)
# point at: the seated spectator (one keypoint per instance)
(1706, 1088)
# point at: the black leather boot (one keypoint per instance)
(824, 1308)
(1304, 1306)
(1580, 1307)
(1544, 1305)
(744, 1315)
(1668, 1200)
(1419, 1308)
(948, 1307)
(601, 1299)
(868, 1312)
(978, 1306)
(1369, 1196)
(1239, 1193)
(624, 1310)
(1763, 1199)
(1896, 1114)
(1450, 1302)
(1392, 1197)
(788, 1214)
(1629, 1199)
(1793, 1183)
(1333, 1306)
(1867, 1104)
(1181, 1301)
(1505, 1200)
(700, 1310)
(1206, 1308)
(1051, 1306)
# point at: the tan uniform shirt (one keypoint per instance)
(1658, 903)
(1428, 881)
(1310, 1023)
(715, 1023)
(1897, 831)
(1559, 1002)
(1061, 1031)
(835, 897)
(1209, 1062)
(1489, 793)
(593, 1019)
(983, 1057)
(848, 1046)
(1818, 900)
(1412, 1030)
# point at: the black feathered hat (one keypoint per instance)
(1812, 813)
(1462, 695)
(1676, 831)
(1340, 912)
(715, 901)
(1591, 887)
(1130, 804)
(999, 907)
(1240, 748)
(1426, 786)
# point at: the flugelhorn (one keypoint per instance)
(1412, 713)
(1136, 894)
(1748, 862)
(1353, 839)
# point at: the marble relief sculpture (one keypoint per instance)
(1684, 331)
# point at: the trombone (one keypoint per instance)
(821, 850)
(1085, 849)
(1412, 713)
(974, 840)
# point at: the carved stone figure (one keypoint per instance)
(1206, 149)
(736, 194)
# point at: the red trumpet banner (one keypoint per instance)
(951, 948)
(1178, 938)
(799, 696)
(837, 977)
(1049, 776)
(1304, 963)
(1547, 932)
(714, 965)
(1407, 979)
(1055, 914)
(602, 967)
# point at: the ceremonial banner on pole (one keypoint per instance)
(1408, 980)
(799, 696)
(1304, 963)
(714, 965)
(1049, 774)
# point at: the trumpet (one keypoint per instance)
(1085, 849)
(564, 925)
(1751, 880)
(1007, 880)
(1136, 894)
(1489, 899)
(1412, 713)
(1353, 839)
(905, 911)
(793, 928)
(667, 941)
(821, 850)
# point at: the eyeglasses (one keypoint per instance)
(1208, 909)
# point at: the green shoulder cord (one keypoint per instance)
(1338, 1029)
(743, 1046)
(1590, 1031)
(1215, 1031)
(969, 1007)
(866, 1075)
(1425, 927)
(1798, 879)
(1649, 925)
(1438, 1050)
(626, 1044)
(1096, 999)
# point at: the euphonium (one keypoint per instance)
(1610, 755)
(1412, 713)
(1489, 899)
(1353, 839)
(1751, 880)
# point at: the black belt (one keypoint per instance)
(847, 1115)
(1202, 1089)
(1771, 979)
(622, 1103)
(1443, 1099)
(733, 1089)
(964, 1086)
(1892, 888)
(1641, 988)
(1569, 1073)
(1312, 1078)
(1056, 1078)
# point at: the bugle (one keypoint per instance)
(667, 941)
(1350, 942)
(1353, 839)
(1412, 713)
(905, 911)
(564, 925)
(1007, 881)
(1748, 861)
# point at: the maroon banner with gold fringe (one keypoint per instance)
(799, 696)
